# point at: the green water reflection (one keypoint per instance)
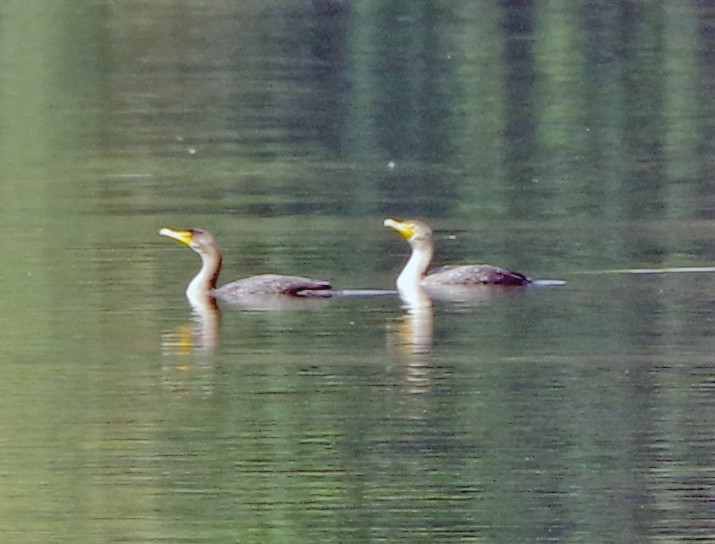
(566, 140)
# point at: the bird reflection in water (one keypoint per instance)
(200, 336)
(264, 292)
(188, 366)
(203, 334)
(412, 336)
(467, 285)
(413, 332)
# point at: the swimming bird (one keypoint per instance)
(262, 285)
(414, 275)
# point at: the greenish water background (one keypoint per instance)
(568, 140)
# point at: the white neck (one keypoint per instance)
(415, 269)
(414, 298)
(205, 280)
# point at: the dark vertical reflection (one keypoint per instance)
(414, 105)
(603, 118)
(706, 129)
(520, 128)
(318, 33)
(641, 40)
(410, 65)
(583, 414)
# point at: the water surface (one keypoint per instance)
(568, 142)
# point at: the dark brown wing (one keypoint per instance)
(272, 284)
(478, 274)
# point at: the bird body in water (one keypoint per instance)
(419, 235)
(205, 282)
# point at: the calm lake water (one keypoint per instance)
(567, 140)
